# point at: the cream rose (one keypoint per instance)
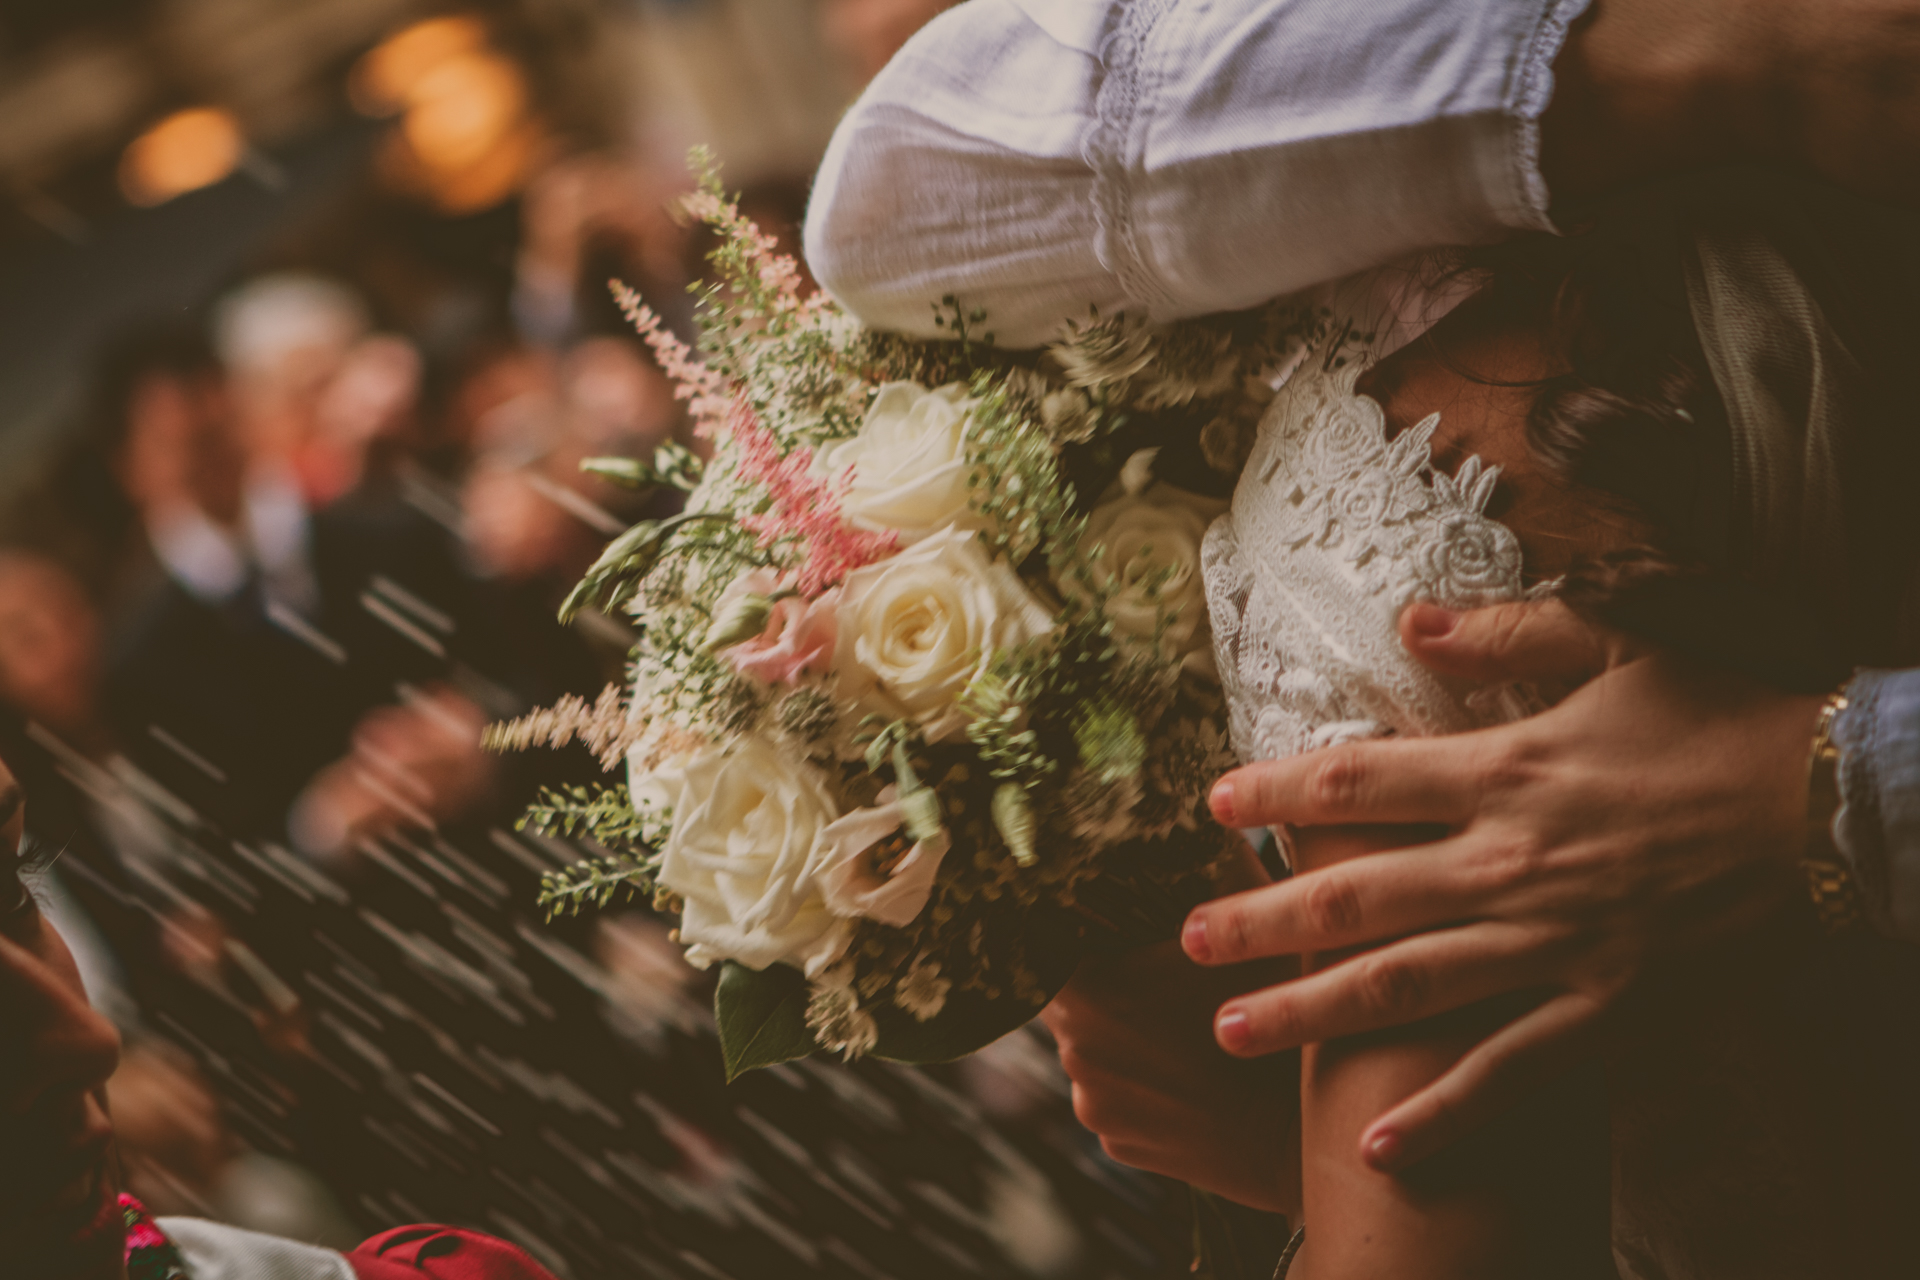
(909, 462)
(741, 856)
(1154, 536)
(870, 866)
(914, 629)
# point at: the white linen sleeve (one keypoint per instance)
(1178, 157)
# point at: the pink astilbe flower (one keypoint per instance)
(806, 507)
(704, 389)
(778, 274)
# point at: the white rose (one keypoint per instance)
(909, 462)
(741, 857)
(653, 788)
(916, 628)
(1153, 537)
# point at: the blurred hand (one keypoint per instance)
(1135, 1038)
(417, 764)
(1656, 811)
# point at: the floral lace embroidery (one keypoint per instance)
(1333, 530)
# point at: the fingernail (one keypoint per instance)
(1193, 939)
(1383, 1150)
(1431, 622)
(1231, 1030)
(1221, 802)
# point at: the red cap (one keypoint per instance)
(445, 1253)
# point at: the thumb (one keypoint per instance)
(1539, 640)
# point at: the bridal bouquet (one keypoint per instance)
(923, 701)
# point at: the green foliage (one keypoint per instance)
(674, 466)
(616, 577)
(1015, 478)
(1048, 944)
(1108, 735)
(949, 315)
(600, 813)
(762, 1016)
(595, 882)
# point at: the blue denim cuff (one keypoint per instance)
(1878, 826)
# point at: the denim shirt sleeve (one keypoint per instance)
(1878, 826)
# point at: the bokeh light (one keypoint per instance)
(464, 140)
(185, 151)
(383, 81)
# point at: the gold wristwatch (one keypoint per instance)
(1830, 882)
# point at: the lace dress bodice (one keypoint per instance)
(1332, 531)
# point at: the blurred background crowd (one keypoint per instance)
(304, 331)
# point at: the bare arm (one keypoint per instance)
(1531, 1198)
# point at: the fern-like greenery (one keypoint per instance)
(599, 813)
(594, 882)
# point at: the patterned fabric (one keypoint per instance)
(150, 1255)
(1333, 531)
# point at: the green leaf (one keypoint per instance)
(970, 1022)
(762, 1014)
(674, 466)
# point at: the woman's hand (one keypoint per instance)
(1135, 1036)
(1657, 810)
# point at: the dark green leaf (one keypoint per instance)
(762, 1014)
(970, 1022)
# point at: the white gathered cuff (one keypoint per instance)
(1173, 158)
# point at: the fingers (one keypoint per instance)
(1403, 982)
(1498, 1073)
(1387, 780)
(1361, 900)
(1539, 641)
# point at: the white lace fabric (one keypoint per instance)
(1334, 529)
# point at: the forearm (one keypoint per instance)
(1878, 826)
(1527, 1199)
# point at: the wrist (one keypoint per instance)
(1830, 882)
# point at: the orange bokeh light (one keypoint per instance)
(185, 151)
(385, 80)
(462, 108)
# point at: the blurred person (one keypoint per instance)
(283, 339)
(179, 1155)
(493, 373)
(584, 219)
(619, 399)
(289, 591)
(49, 676)
(50, 657)
(63, 1215)
(365, 416)
(867, 33)
(167, 427)
(215, 682)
